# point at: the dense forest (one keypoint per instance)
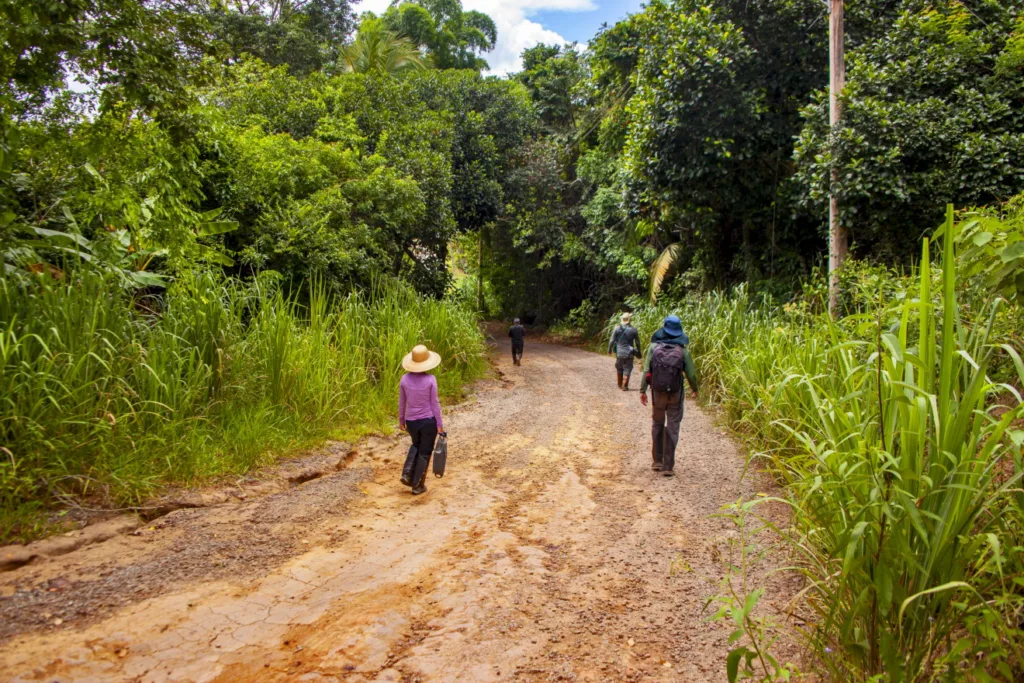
(695, 136)
(297, 139)
(223, 223)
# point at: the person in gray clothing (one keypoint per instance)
(625, 344)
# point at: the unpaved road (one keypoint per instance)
(550, 551)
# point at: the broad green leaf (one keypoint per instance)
(982, 238)
(146, 279)
(71, 237)
(1012, 252)
(216, 228)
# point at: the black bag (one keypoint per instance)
(440, 455)
(667, 368)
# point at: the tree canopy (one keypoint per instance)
(305, 35)
(694, 147)
(685, 147)
(451, 37)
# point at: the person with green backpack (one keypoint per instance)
(667, 361)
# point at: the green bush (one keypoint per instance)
(106, 396)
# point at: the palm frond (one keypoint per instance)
(377, 50)
(662, 266)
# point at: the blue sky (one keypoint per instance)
(581, 25)
(524, 23)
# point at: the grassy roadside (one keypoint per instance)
(897, 434)
(108, 396)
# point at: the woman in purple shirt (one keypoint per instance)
(419, 413)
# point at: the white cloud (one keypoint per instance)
(375, 6)
(516, 31)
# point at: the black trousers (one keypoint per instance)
(517, 351)
(423, 434)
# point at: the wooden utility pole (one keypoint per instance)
(480, 270)
(838, 240)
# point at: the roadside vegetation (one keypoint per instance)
(109, 395)
(897, 432)
(217, 246)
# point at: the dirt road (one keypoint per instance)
(550, 551)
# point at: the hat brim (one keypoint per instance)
(432, 361)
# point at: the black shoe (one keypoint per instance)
(419, 489)
(406, 480)
(668, 473)
(656, 466)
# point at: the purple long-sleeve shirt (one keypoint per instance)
(417, 398)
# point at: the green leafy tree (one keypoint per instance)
(139, 61)
(932, 115)
(359, 173)
(305, 35)
(452, 37)
(144, 52)
(716, 106)
(553, 75)
(492, 120)
(562, 242)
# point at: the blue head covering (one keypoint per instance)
(671, 332)
(673, 325)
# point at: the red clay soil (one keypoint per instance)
(550, 551)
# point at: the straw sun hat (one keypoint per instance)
(421, 359)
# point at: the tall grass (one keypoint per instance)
(106, 397)
(902, 460)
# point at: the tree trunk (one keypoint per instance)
(838, 242)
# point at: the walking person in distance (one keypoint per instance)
(518, 335)
(625, 344)
(419, 414)
(667, 361)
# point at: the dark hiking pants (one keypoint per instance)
(423, 434)
(624, 365)
(666, 416)
(517, 351)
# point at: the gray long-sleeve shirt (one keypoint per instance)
(624, 340)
